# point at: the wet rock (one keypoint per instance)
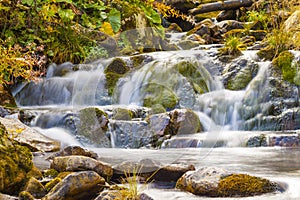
(15, 162)
(6, 111)
(115, 70)
(24, 195)
(179, 142)
(159, 124)
(93, 125)
(243, 185)
(239, 73)
(203, 182)
(185, 121)
(171, 173)
(287, 120)
(216, 182)
(6, 98)
(285, 140)
(143, 168)
(257, 141)
(35, 188)
(130, 134)
(74, 150)
(59, 70)
(122, 114)
(81, 163)
(79, 185)
(29, 137)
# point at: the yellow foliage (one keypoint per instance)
(106, 28)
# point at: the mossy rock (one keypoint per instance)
(156, 109)
(24, 195)
(242, 78)
(15, 162)
(284, 62)
(243, 185)
(113, 72)
(194, 76)
(50, 173)
(122, 114)
(52, 183)
(159, 94)
(93, 125)
(266, 53)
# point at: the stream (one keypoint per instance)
(56, 100)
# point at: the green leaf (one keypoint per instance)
(114, 18)
(152, 15)
(27, 2)
(64, 1)
(66, 14)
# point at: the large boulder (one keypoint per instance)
(29, 137)
(239, 73)
(15, 162)
(79, 185)
(203, 182)
(185, 121)
(81, 163)
(216, 182)
(93, 126)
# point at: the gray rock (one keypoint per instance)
(29, 137)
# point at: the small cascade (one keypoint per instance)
(66, 85)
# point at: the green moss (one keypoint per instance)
(52, 183)
(24, 195)
(159, 94)
(35, 172)
(51, 173)
(243, 185)
(15, 162)
(113, 72)
(284, 62)
(194, 76)
(122, 114)
(157, 108)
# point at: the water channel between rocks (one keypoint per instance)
(57, 99)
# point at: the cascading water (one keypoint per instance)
(187, 79)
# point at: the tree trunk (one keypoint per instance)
(224, 5)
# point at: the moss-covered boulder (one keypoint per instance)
(29, 137)
(15, 162)
(243, 185)
(6, 98)
(93, 126)
(122, 114)
(239, 73)
(35, 188)
(78, 185)
(115, 70)
(216, 182)
(284, 62)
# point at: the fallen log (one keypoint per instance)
(221, 5)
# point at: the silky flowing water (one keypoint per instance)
(217, 110)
